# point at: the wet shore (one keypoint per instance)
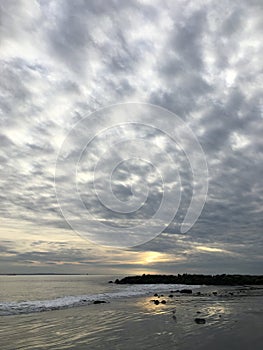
(233, 320)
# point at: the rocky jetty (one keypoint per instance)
(223, 280)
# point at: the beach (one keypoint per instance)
(233, 320)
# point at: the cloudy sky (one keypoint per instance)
(64, 64)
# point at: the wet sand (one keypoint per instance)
(233, 320)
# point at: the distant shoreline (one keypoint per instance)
(45, 274)
(194, 279)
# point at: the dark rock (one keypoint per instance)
(196, 279)
(155, 295)
(99, 302)
(171, 296)
(110, 282)
(200, 320)
(198, 312)
(156, 302)
(163, 301)
(186, 291)
(215, 293)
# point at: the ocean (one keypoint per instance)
(58, 312)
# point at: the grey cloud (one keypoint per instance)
(203, 62)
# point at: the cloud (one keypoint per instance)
(63, 60)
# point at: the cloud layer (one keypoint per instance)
(63, 60)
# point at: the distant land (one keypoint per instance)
(222, 280)
(43, 274)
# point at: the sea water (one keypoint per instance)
(58, 312)
(29, 294)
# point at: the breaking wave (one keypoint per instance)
(26, 307)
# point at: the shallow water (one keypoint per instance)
(135, 322)
(24, 295)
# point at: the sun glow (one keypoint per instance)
(148, 258)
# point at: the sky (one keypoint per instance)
(111, 111)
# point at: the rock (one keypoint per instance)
(163, 301)
(171, 296)
(155, 295)
(198, 312)
(99, 302)
(110, 282)
(156, 302)
(187, 279)
(198, 293)
(200, 320)
(186, 291)
(215, 293)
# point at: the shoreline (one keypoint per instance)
(233, 321)
(159, 293)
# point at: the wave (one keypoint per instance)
(26, 307)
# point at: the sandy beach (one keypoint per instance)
(233, 320)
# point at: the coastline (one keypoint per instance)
(194, 279)
(233, 321)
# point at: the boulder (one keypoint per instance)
(200, 320)
(186, 291)
(163, 301)
(99, 302)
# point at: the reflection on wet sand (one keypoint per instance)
(231, 321)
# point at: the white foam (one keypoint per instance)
(16, 308)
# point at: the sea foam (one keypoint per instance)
(26, 307)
